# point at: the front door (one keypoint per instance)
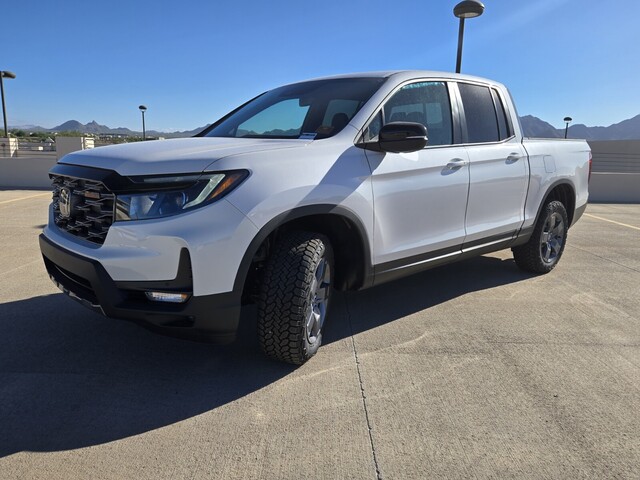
(420, 198)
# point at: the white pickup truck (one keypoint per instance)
(335, 183)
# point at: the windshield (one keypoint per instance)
(309, 110)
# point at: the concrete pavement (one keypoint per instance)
(474, 370)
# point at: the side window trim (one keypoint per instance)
(459, 119)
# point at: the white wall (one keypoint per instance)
(29, 170)
(66, 145)
(614, 188)
(616, 171)
(621, 156)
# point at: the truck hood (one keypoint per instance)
(179, 155)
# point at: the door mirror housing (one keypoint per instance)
(402, 137)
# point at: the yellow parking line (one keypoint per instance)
(611, 221)
(25, 198)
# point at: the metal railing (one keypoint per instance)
(25, 145)
(619, 156)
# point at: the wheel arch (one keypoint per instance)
(344, 229)
(561, 190)
(564, 192)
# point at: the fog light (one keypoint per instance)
(167, 297)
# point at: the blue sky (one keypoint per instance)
(192, 61)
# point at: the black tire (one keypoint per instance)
(294, 297)
(543, 250)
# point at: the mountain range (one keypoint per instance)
(95, 128)
(532, 126)
(626, 130)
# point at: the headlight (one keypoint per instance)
(165, 196)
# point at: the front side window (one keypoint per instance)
(311, 110)
(421, 102)
(480, 113)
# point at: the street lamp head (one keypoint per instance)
(142, 108)
(468, 9)
(7, 74)
(568, 119)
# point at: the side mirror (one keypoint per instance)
(402, 137)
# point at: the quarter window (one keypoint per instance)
(372, 131)
(503, 124)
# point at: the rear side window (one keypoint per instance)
(480, 113)
(426, 103)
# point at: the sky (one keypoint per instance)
(190, 62)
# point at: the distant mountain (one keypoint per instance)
(531, 126)
(70, 126)
(625, 130)
(28, 128)
(534, 127)
(92, 127)
(188, 133)
(95, 128)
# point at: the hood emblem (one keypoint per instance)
(65, 202)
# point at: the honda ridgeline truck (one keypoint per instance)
(335, 183)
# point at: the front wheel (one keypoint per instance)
(543, 250)
(294, 297)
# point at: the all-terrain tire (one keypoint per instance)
(294, 297)
(545, 247)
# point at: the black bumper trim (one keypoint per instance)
(577, 214)
(210, 318)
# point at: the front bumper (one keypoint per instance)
(209, 317)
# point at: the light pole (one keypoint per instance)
(567, 121)
(144, 131)
(465, 9)
(5, 74)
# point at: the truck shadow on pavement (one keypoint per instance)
(70, 378)
(385, 303)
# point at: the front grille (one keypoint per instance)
(87, 209)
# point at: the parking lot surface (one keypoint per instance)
(473, 370)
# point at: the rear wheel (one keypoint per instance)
(543, 250)
(294, 297)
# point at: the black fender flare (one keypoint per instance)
(525, 232)
(297, 213)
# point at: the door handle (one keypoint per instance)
(456, 163)
(513, 157)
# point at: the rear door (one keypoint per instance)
(420, 198)
(498, 168)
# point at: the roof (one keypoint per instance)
(403, 75)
